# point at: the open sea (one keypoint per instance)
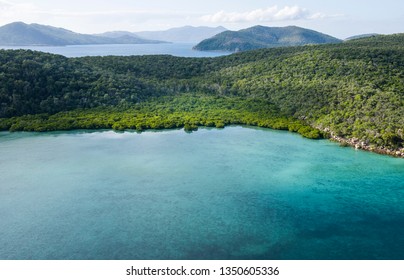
(233, 193)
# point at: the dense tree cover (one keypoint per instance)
(258, 37)
(188, 111)
(352, 90)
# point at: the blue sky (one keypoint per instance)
(340, 18)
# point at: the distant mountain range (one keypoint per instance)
(220, 39)
(21, 34)
(186, 34)
(258, 37)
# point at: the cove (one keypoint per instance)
(233, 193)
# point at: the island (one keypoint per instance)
(258, 37)
(351, 92)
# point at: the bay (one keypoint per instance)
(175, 49)
(235, 193)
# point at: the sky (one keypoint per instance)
(339, 18)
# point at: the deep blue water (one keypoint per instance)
(175, 49)
(236, 193)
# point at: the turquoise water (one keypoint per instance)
(236, 193)
(175, 49)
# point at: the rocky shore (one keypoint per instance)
(361, 145)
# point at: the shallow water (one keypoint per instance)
(236, 193)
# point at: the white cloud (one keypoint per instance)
(273, 13)
(10, 11)
(4, 4)
(87, 21)
(7, 7)
(100, 19)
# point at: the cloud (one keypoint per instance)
(7, 7)
(10, 11)
(88, 21)
(5, 4)
(129, 12)
(273, 13)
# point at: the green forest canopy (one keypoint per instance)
(353, 90)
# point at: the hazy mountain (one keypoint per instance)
(117, 34)
(21, 34)
(126, 37)
(186, 34)
(361, 36)
(264, 37)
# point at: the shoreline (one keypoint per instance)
(360, 145)
(345, 142)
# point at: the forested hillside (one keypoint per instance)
(353, 90)
(258, 37)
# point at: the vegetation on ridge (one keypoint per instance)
(258, 37)
(352, 90)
